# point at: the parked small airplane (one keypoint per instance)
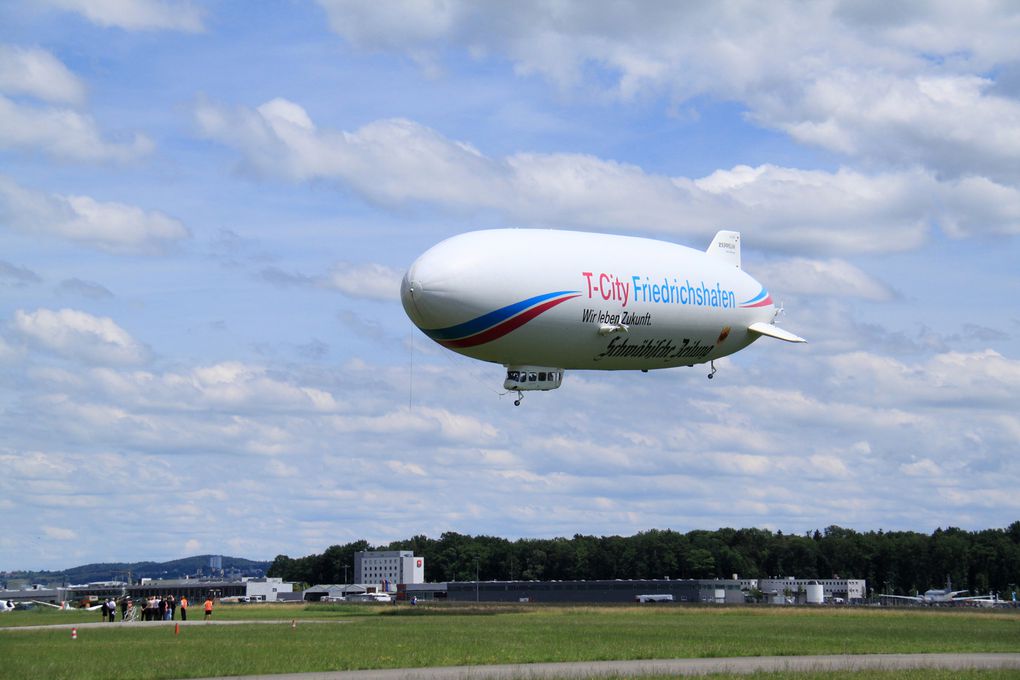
(940, 595)
(540, 301)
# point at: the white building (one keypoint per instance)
(266, 589)
(779, 590)
(390, 566)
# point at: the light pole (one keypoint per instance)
(476, 579)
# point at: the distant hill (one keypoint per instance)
(118, 571)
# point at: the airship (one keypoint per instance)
(543, 301)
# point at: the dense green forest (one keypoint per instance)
(896, 562)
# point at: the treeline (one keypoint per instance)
(896, 562)
(119, 571)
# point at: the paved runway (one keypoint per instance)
(628, 669)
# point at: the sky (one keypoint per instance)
(206, 210)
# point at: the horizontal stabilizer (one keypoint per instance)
(774, 331)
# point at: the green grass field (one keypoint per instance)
(348, 637)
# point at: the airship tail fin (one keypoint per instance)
(726, 246)
(774, 331)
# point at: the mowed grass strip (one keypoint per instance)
(398, 637)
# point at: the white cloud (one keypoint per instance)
(37, 73)
(921, 468)
(60, 533)
(829, 466)
(825, 212)
(969, 380)
(76, 334)
(137, 15)
(422, 421)
(120, 227)
(902, 85)
(7, 353)
(837, 278)
(112, 227)
(234, 384)
(420, 20)
(62, 133)
(977, 205)
(398, 162)
(614, 468)
(949, 122)
(227, 387)
(35, 465)
(54, 130)
(403, 469)
(279, 469)
(364, 280)
(389, 160)
(367, 280)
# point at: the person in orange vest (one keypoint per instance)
(184, 608)
(208, 608)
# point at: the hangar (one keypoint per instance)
(717, 591)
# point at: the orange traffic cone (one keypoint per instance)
(177, 629)
(74, 633)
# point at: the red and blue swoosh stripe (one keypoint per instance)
(496, 324)
(762, 299)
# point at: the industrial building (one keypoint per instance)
(714, 591)
(686, 590)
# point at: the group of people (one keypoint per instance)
(154, 608)
(160, 608)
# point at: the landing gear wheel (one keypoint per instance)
(520, 397)
(714, 369)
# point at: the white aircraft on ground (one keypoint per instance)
(941, 596)
(11, 605)
(540, 301)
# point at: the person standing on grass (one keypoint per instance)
(184, 608)
(208, 608)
